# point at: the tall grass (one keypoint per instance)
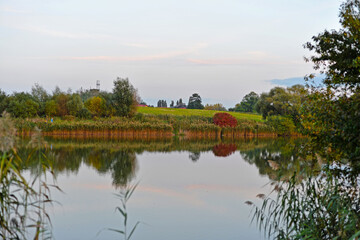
(124, 196)
(324, 207)
(23, 201)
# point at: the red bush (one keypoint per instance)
(224, 120)
(224, 150)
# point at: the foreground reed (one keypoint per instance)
(23, 207)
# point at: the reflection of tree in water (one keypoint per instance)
(194, 156)
(280, 158)
(121, 164)
(224, 150)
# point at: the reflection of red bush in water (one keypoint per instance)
(224, 150)
(224, 120)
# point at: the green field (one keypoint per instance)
(195, 112)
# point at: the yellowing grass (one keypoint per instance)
(195, 112)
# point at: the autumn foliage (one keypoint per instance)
(224, 120)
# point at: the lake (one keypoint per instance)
(186, 189)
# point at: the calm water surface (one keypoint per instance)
(187, 190)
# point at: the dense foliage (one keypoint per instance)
(195, 102)
(125, 98)
(282, 101)
(248, 103)
(331, 113)
(326, 206)
(216, 107)
(83, 104)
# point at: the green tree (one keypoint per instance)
(248, 103)
(125, 98)
(331, 113)
(61, 101)
(51, 108)
(74, 104)
(195, 102)
(281, 101)
(40, 96)
(109, 106)
(337, 53)
(22, 105)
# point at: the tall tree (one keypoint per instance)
(74, 104)
(22, 105)
(248, 103)
(125, 97)
(40, 96)
(195, 102)
(331, 113)
(281, 101)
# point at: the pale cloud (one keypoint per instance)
(246, 58)
(11, 10)
(254, 60)
(78, 35)
(151, 57)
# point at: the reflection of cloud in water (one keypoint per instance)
(93, 186)
(241, 191)
(173, 194)
(188, 198)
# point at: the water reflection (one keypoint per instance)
(171, 182)
(280, 158)
(275, 158)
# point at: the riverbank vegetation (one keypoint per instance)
(116, 114)
(143, 125)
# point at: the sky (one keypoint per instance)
(221, 49)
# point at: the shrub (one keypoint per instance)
(224, 120)
(84, 114)
(281, 125)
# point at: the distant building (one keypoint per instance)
(97, 89)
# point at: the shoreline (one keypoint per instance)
(149, 127)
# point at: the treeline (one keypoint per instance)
(122, 101)
(280, 107)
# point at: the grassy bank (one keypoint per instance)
(195, 112)
(150, 126)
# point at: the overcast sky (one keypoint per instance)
(221, 49)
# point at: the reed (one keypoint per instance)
(145, 125)
(324, 207)
(23, 201)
